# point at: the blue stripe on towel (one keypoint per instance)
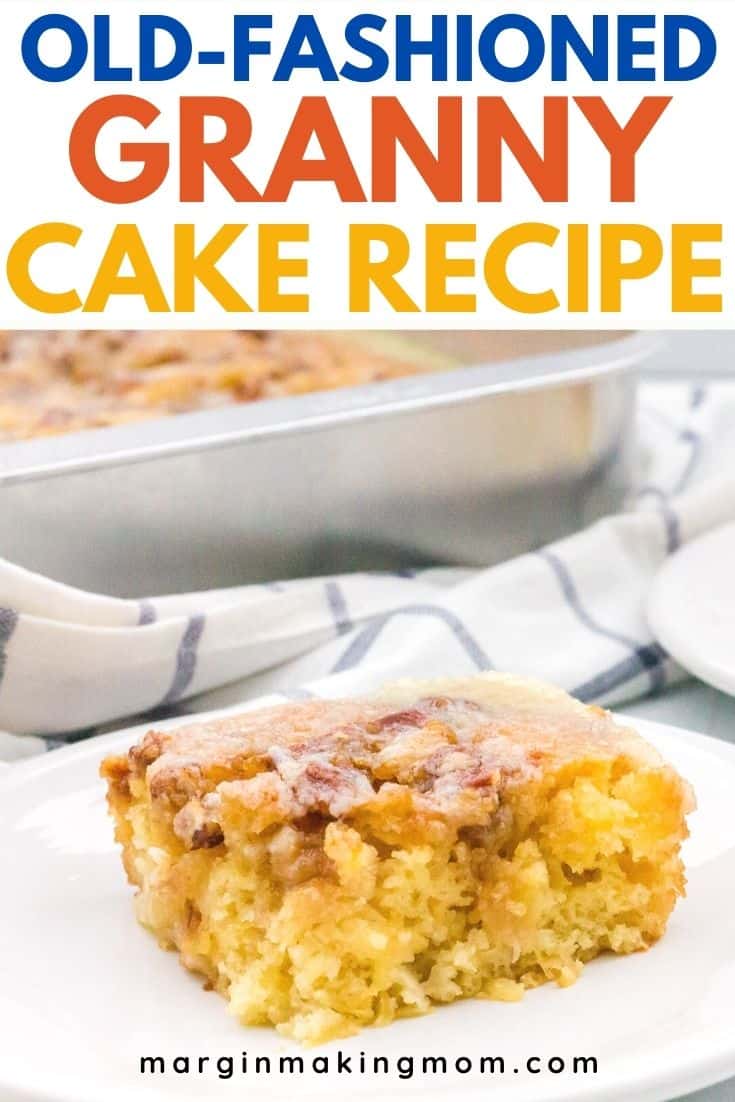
(672, 527)
(8, 624)
(338, 607)
(685, 434)
(362, 643)
(646, 658)
(642, 657)
(695, 441)
(669, 517)
(186, 660)
(147, 613)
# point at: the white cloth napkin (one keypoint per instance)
(573, 613)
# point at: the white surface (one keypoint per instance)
(659, 1023)
(691, 607)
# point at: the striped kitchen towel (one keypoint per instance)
(74, 663)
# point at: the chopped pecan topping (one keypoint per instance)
(208, 836)
(412, 717)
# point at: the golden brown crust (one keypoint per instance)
(434, 752)
(56, 382)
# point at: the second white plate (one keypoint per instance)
(691, 608)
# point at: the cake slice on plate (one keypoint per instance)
(331, 864)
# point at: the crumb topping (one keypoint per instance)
(452, 757)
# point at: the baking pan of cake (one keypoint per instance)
(481, 446)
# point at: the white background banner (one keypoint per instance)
(661, 264)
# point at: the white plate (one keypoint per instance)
(691, 608)
(84, 992)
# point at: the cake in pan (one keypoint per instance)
(326, 865)
(56, 382)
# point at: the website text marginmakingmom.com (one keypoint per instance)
(400, 1067)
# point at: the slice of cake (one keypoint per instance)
(331, 864)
